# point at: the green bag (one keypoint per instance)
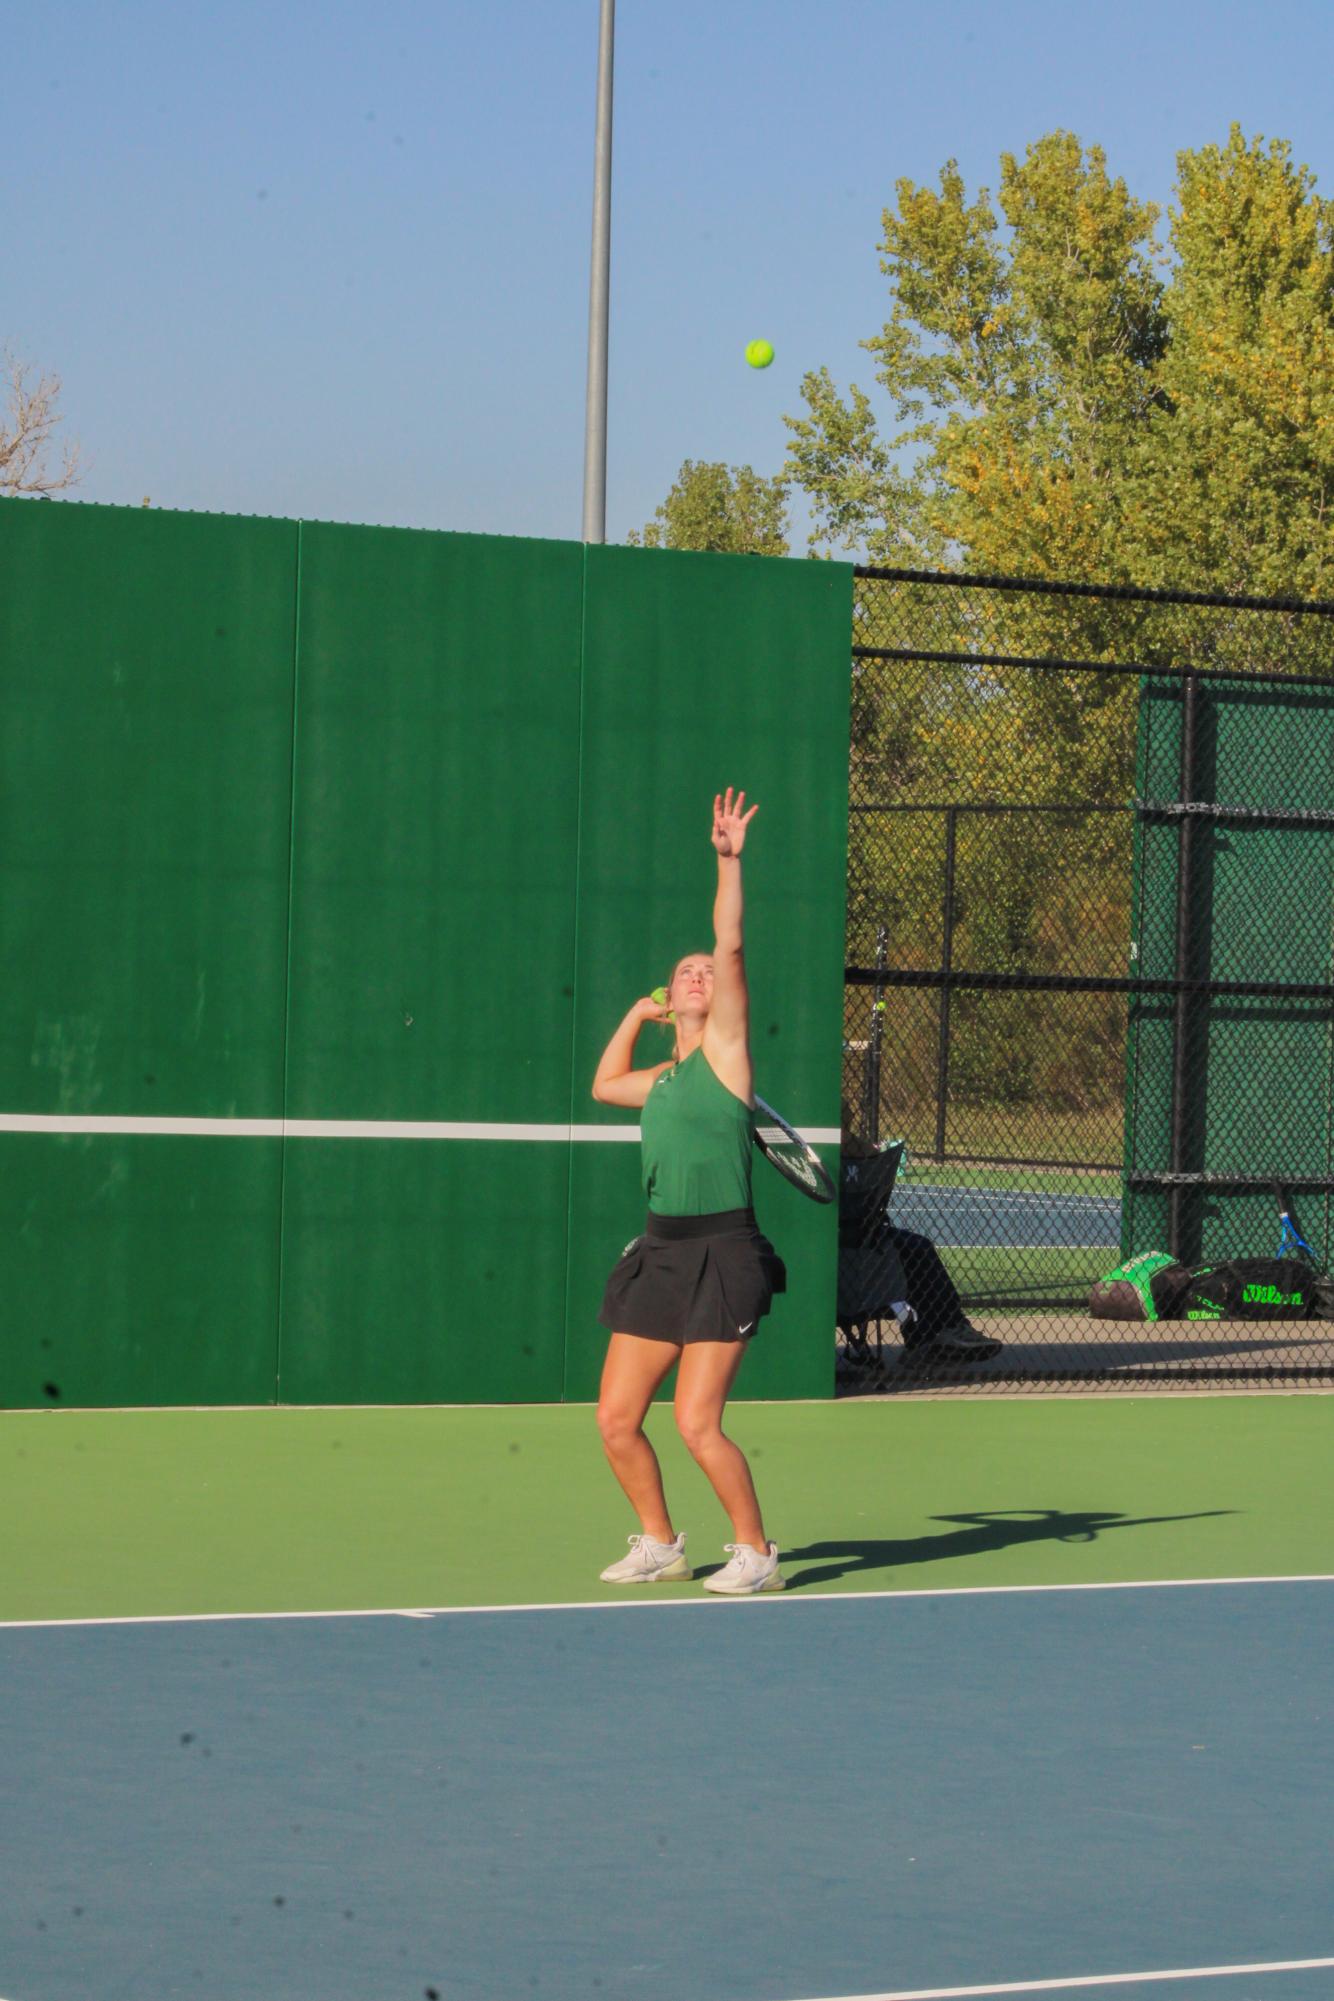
(1144, 1288)
(1154, 1286)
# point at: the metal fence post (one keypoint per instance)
(1182, 1019)
(946, 964)
(876, 1040)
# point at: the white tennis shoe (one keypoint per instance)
(651, 1562)
(748, 1571)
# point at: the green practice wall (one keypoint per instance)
(1260, 1071)
(314, 823)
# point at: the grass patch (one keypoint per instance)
(991, 1271)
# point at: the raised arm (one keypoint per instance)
(727, 1032)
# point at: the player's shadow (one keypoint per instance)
(979, 1535)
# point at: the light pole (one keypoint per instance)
(599, 294)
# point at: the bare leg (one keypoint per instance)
(632, 1372)
(708, 1370)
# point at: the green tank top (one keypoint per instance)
(697, 1137)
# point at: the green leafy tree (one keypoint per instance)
(1022, 372)
(1233, 488)
(1018, 370)
(729, 509)
(1073, 401)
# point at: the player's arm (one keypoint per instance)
(616, 1081)
(727, 1032)
(729, 1012)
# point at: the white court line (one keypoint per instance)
(438, 1129)
(628, 1604)
(1089, 1980)
(975, 1191)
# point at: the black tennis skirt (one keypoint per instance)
(694, 1278)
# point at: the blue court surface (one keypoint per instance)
(1003, 1217)
(786, 1799)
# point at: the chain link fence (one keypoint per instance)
(1090, 984)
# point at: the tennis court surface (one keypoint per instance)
(1006, 1217)
(328, 1703)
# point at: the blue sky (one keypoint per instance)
(332, 260)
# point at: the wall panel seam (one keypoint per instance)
(574, 962)
(287, 970)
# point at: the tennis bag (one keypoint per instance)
(1154, 1286)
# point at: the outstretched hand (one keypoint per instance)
(730, 823)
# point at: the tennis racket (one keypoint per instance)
(1292, 1242)
(785, 1149)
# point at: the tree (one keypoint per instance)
(1018, 369)
(1022, 371)
(712, 506)
(1067, 410)
(1234, 484)
(26, 433)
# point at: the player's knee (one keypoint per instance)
(700, 1430)
(616, 1425)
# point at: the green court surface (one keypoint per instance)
(988, 1271)
(142, 1513)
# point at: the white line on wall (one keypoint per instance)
(433, 1129)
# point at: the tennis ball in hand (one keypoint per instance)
(659, 994)
(759, 353)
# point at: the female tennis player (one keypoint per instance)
(695, 1286)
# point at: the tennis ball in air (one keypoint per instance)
(759, 353)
